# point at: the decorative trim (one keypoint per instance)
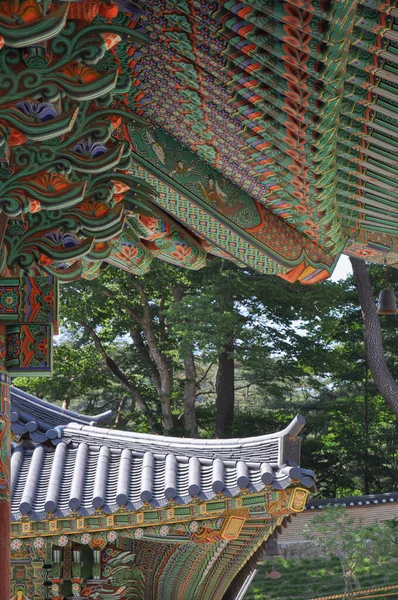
(264, 504)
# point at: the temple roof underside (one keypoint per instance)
(260, 131)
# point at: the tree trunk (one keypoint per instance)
(190, 423)
(119, 412)
(159, 359)
(190, 394)
(161, 374)
(225, 391)
(383, 380)
(165, 375)
(366, 473)
(143, 351)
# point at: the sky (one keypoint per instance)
(342, 270)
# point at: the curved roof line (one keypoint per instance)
(93, 467)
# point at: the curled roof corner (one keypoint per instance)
(295, 426)
(267, 448)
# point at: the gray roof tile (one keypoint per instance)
(92, 468)
(43, 420)
(353, 501)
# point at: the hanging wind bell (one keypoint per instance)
(387, 304)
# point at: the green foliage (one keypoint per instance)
(351, 456)
(334, 533)
(82, 382)
(212, 303)
(297, 349)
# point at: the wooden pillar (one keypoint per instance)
(5, 476)
(28, 312)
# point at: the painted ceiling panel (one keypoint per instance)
(295, 102)
(264, 131)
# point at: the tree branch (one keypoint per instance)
(120, 408)
(136, 317)
(162, 376)
(136, 337)
(206, 373)
(158, 358)
(115, 370)
(143, 352)
(190, 384)
(162, 318)
(190, 393)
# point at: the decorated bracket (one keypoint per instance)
(29, 315)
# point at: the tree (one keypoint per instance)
(82, 382)
(243, 323)
(153, 333)
(119, 321)
(350, 428)
(335, 533)
(374, 350)
(225, 351)
(118, 306)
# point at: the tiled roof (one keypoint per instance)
(92, 468)
(354, 501)
(42, 420)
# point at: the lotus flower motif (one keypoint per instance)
(88, 147)
(62, 239)
(42, 111)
